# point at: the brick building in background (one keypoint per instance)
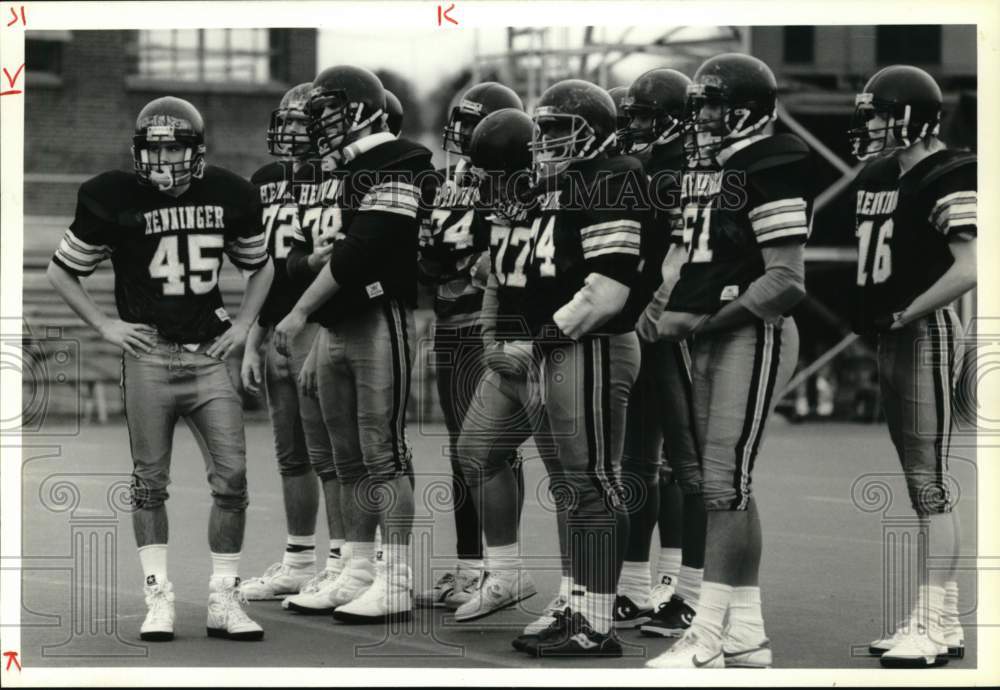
(84, 89)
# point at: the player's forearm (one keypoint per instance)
(594, 304)
(258, 285)
(72, 291)
(671, 273)
(488, 313)
(256, 336)
(322, 289)
(778, 290)
(956, 281)
(297, 264)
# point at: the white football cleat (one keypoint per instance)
(497, 591)
(690, 651)
(548, 617)
(277, 582)
(226, 617)
(324, 579)
(158, 626)
(746, 651)
(352, 581)
(466, 584)
(917, 649)
(953, 638)
(388, 599)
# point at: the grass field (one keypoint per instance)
(822, 573)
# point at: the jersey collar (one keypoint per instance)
(727, 153)
(365, 144)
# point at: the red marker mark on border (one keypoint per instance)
(13, 13)
(444, 14)
(12, 81)
(12, 658)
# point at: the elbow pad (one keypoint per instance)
(598, 300)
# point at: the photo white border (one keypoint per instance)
(376, 15)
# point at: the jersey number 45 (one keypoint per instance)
(198, 272)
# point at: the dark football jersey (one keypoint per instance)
(662, 222)
(370, 207)
(166, 252)
(591, 224)
(284, 190)
(903, 226)
(450, 241)
(759, 197)
(511, 242)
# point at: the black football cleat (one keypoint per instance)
(556, 631)
(577, 640)
(671, 619)
(629, 615)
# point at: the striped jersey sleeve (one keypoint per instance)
(246, 244)
(955, 212)
(393, 196)
(87, 242)
(620, 236)
(782, 219)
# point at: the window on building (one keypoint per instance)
(799, 44)
(209, 55)
(43, 51)
(920, 45)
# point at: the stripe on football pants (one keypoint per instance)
(767, 356)
(683, 353)
(596, 419)
(396, 320)
(943, 367)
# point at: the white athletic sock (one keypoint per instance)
(153, 558)
(469, 565)
(689, 585)
(745, 614)
(565, 586)
(361, 551)
(668, 565)
(300, 551)
(634, 582)
(225, 565)
(951, 603)
(598, 609)
(711, 610)
(398, 561)
(931, 611)
(578, 598)
(335, 556)
(503, 558)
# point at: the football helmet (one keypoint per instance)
(343, 101)
(283, 141)
(393, 113)
(574, 120)
(906, 99)
(654, 110)
(732, 97)
(168, 120)
(478, 102)
(618, 94)
(498, 152)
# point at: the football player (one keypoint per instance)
(301, 443)
(582, 264)
(660, 413)
(362, 293)
(393, 113)
(165, 228)
(906, 283)
(746, 219)
(453, 258)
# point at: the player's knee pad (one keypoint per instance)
(928, 495)
(635, 489)
(231, 503)
(350, 471)
(327, 474)
(724, 496)
(290, 466)
(145, 496)
(324, 467)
